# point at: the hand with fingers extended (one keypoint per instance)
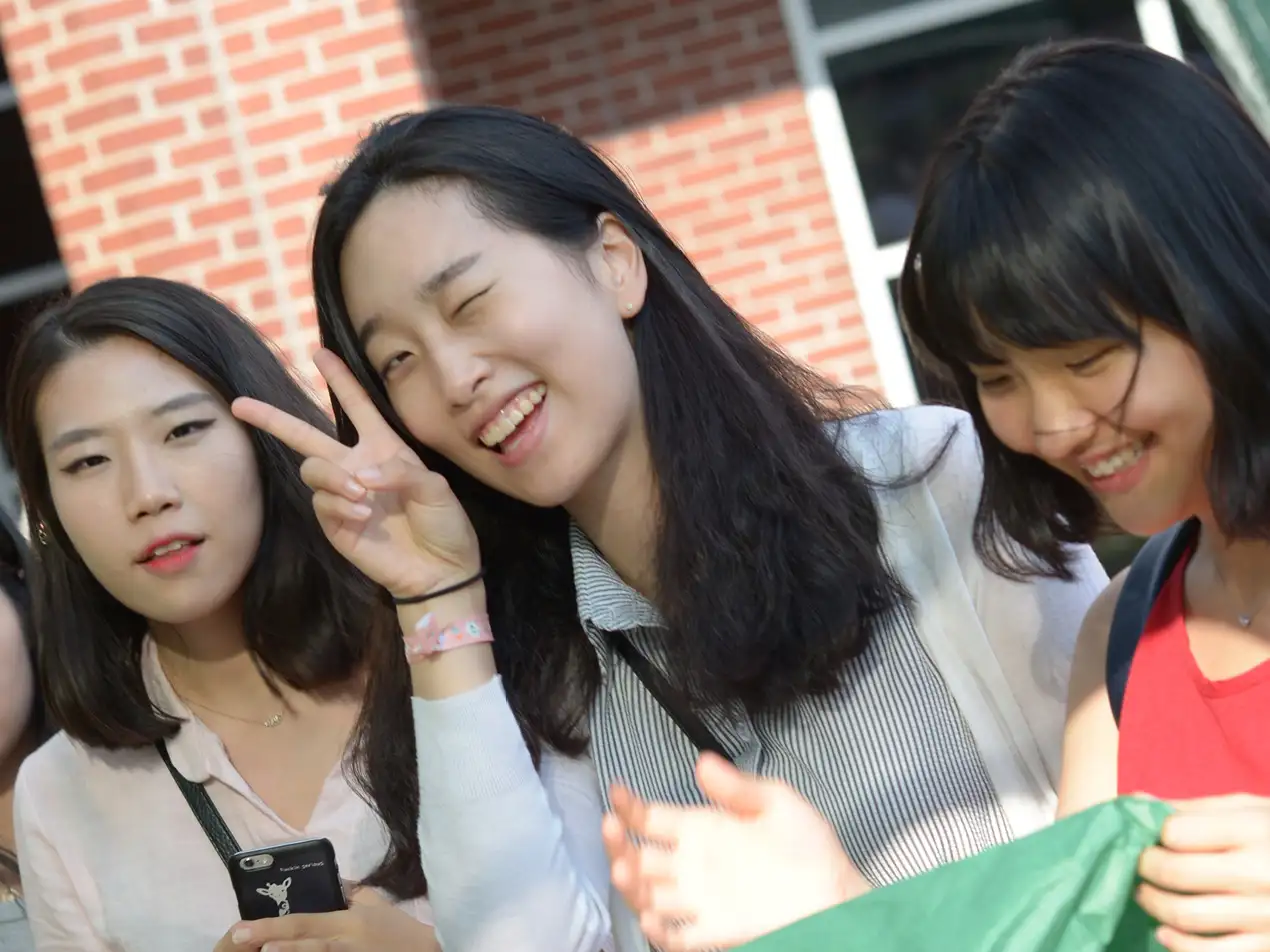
(381, 508)
(370, 924)
(1208, 882)
(712, 877)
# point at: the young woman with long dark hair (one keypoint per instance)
(688, 540)
(185, 598)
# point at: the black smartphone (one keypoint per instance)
(287, 878)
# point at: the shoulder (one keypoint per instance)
(1089, 665)
(910, 443)
(63, 769)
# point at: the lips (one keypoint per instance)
(167, 545)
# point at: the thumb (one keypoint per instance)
(737, 792)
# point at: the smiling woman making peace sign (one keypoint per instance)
(400, 524)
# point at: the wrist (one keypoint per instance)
(435, 589)
(454, 606)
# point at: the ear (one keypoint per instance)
(621, 267)
(287, 884)
(262, 890)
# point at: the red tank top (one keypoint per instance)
(1182, 735)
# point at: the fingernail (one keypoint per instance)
(369, 475)
(240, 936)
(362, 512)
(355, 489)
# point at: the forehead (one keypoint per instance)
(108, 382)
(405, 235)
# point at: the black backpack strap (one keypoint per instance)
(1150, 569)
(671, 700)
(204, 810)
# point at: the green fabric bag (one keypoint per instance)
(1068, 888)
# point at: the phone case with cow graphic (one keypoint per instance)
(287, 878)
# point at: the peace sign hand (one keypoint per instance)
(380, 507)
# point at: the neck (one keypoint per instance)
(207, 661)
(1241, 566)
(617, 510)
(8, 777)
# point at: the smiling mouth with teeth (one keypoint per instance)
(518, 409)
(169, 548)
(1117, 462)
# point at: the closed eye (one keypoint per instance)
(475, 297)
(1090, 362)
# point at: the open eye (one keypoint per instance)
(83, 463)
(183, 430)
(393, 363)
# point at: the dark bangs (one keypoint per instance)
(1092, 186)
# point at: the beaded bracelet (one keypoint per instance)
(429, 638)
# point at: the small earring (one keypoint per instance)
(628, 308)
(41, 533)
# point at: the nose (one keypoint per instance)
(460, 371)
(149, 488)
(1061, 427)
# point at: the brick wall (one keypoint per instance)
(699, 101)
(188, 138)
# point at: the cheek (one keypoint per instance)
(1009, 421)
(16, 679)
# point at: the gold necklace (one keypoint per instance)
(273, 720)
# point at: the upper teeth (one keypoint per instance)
(1114, 464)
(168, 547)
(512, 415)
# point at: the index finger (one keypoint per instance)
(304, 438)
(354, 400)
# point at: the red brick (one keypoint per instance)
(305, 25)
(244, 9)
(220, 213)
(273, 165)
(753, 189)
(286, 128)
(22, 72)
(618, 13)
(381, 104)
(712, 41)
(369, 8)
(830, 300)
(255, 105)
(779, 155)
(63, 159)
(118, 175)
(8, 13)
(247, 238)
(768, 238)
(239, 43)
(170, 193)
(101, 112)
(69, 57)
(171, 29)
(46, 98)
(506, 22)
(290, 227)
(91, 217)
(744, 269)
(196, 55)
(212, 118)
(296, 257)
(685, 209)
(17, 40)
(237, 273)
(74, 254)
(784, 286)
(743, 138)
(305, 191)
(142, 135)
(329, 150)
(84, 279)
(661, 31)
(123, 73)
(799, 334)
(396, 64)
(205, 151)
(700, 173)
(849, 349)
(802, 253)
(798, 202)
(229, 178)
(288, 62)
(381, 37)
(101, 13)
(185, 90)
(160, 229)
(177, 257)
(57, 195)
(323, 85)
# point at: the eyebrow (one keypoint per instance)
(426, 291)
(179, 402)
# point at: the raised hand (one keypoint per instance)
(381, 508)
(717, 877)
(1208, 882)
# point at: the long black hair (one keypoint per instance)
(768, 563)
(1093, 185)
(308, 617)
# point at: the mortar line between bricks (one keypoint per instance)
(274, 260)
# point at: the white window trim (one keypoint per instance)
(872, 268)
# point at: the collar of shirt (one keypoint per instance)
(605, 602)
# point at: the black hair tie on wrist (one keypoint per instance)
(448, 590)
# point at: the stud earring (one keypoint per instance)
(41, 533)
